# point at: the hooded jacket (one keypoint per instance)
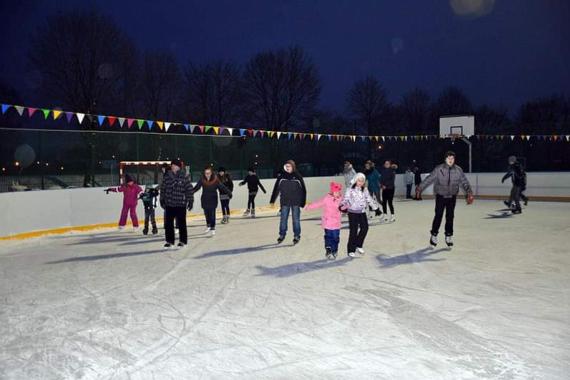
(290, 188)
(331, 219)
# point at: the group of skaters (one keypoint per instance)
(366, 194)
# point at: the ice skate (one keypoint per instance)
(329, 253)
(246, 213)
(224, 220)
(392, 219)
(449, 241)
(280, 239)
(296, 240)
(167, 246)
(145, 231)
(212, 232)
(154, 230)
(253, 213)
(433, 240)
(208, 229)
(181, 245)
(360, 251)
(352, 254)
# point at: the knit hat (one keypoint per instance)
(176, 162)
(221, 169)
(335, 187)
(358, 176)
(129, 178)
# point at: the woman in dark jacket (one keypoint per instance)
(227, 181)
(388, 184)
(210, 185)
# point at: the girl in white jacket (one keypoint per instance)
(356, 201)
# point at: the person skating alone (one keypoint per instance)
(292, 193)
(409, 182)
(373, 179)
(253, 186)
(210, 185)
(388, 184)
(131, 193)
(348, 172)
(225, 198)
(417, 181)
(149, 198)
(356, 200)
(175, 198)
(518, 177)
(331, 218)
(446, 179)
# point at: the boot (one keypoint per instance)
(145, 230)
(224, 221)
(154, 229)
(246, 213)
(253, 213)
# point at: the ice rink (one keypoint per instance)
(115, 305)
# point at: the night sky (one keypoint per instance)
(519, 50)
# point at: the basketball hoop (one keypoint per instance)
(454, 136)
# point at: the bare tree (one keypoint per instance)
(160, 84)
(492, 120)
(282, 88)
(213, 93)
(367, 104)
(452, 101)
(415, 107)
(545, 115)
(83, 58)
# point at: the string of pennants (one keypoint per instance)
(114, 121)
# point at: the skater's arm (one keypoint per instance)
(371, 201)
(189, 190)
(304, 192)
(464, 182)
(506, 176)
(244, 181)
(275, 191)
(260, 185)
(197, 187)
(224, 189)
(428, 181)
(230, 185)
(316, 204)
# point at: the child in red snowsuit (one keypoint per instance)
(130, 192)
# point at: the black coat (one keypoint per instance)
(388, 178)
(210, 190)
(253, 183)
(291, 190)
(176, 190)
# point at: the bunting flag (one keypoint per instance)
(231, 131)
(193, 128)
(69, 116)
(5, 108)
(216, 130)
(121, 121)
(205, 129)
(241, 132)
(56, 114)
(160, 125)
(167, 126)
(130, 122)
(101, 119)
(278, 135)
(111, 120)
(20, 110)
(149, 123)
(80, 117)
(140, 123)
(187, 127)
(31, 111)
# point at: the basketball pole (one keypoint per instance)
(470, 145)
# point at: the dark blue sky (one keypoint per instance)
(518, 51)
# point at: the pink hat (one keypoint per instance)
(335, 187)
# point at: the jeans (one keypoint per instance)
(387, 199)
(210, 214)
(132, 210)
(441, 204)
(178, 213)
(296, 215)
(225, 206)
(409, 191)
(358, 226)
(332, 238)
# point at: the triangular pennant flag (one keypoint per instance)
(80, 117)
(101, 119)
(130, 122)
(231, 131)
(512, 137)
(201, 128)
(5, 107)
(241, 131)
(167, 126)
(567, 137)
(363, 138)
(207, 128)
(318, 137)
(289, 135)
(149, 123)
(46, 112)
(20, 110)
(193, 128)
(278, 135)
(187, 127)
(121, 121)
(140, 123)
(111, 120)
(56, 114)
(222, 130)
(68, 116)
(216, 130)
(31, 111)
(160, 124)
(330, 137)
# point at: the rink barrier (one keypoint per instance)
(32, 214)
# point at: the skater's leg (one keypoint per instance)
(408, 191)
(296, 215)
(134, 218)
(152, 218)
(363, 224)
(439, 207)
(283, 220)
(212, 217)
(334, 240)
(147, 212)
(124, 215)
(390, 200)
(353, 232)
(328, 239)
(449, 215)
(169, 215)
(384, 202)
(181, 221)
(516, 194)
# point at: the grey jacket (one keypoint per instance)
(446, 181)
(348, 176)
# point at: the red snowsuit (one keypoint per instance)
(130, 200)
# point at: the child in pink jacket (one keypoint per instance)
(130, 192)
(331, 219)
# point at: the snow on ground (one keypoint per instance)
(114, 305)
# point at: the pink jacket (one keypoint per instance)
(130, 194)
(331, 219)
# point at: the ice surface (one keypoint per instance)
(114, 305)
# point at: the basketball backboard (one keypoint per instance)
(456, 126)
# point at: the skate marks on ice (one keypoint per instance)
(293, 269)
(105, 257)
(475, 355)
(419, 256)
(238, 251)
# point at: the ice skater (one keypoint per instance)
(518, 178)
(409, 182)
(373, 180)
(331, 218)
(417, 180)
(446, 179)
(210, 185)
(149, 199)
(176, 197)
(348, 173)
(253, 186)
(388, 184)
(292, 193)
(356, 200)
(225, 198)
(130, 192)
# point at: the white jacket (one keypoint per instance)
(357, 200)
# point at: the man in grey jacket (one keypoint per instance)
(446, 179)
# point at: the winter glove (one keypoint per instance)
(190, 206)
(107, 191)
(470, 198)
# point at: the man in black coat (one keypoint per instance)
(291, 189)
(518, 177)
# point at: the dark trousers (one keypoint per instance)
(409, 191)
(441, 204)
(210, 214)
(387, 200)
(178, 213)
(149, 216)
(225, 206)
(251, 200)
(332, 238)
(358, 227)
(516, 197)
